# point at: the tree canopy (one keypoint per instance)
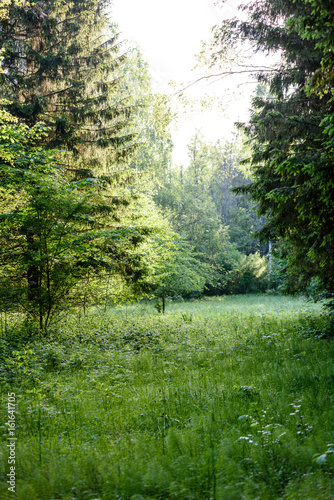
(61, 65)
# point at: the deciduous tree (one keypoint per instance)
(52, 231)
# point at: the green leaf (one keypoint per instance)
(322, 459)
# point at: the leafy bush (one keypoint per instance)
(240, 274)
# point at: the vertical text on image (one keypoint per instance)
(11, 411)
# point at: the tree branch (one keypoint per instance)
(228, 73)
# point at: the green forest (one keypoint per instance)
(166, 330)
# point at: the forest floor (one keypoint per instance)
(226, 398)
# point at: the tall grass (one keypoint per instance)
(228, 398)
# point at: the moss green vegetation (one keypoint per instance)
(228, 398)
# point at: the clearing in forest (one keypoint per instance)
(224, 398)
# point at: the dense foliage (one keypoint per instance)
(61, 65)
(217, 223)
(291, 131)
(113, 218)
(224, 398)
(68, 224)
(54, 233)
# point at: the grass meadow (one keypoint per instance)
(226, 398)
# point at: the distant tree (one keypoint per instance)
(227, 160)
(174, 269)
(215, 222)
(153, 154)
(236, 211)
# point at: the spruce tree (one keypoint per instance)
(62, 66)
(290, 131)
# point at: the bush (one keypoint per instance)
(239, 274)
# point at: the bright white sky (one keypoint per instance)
(169, 34)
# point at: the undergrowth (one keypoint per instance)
(227, 398)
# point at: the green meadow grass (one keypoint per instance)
(224, 398)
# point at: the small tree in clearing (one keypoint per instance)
(176, 270)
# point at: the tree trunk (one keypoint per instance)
(33, 272)
(34, 283)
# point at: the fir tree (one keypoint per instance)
(290, 131)
(62, 66)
